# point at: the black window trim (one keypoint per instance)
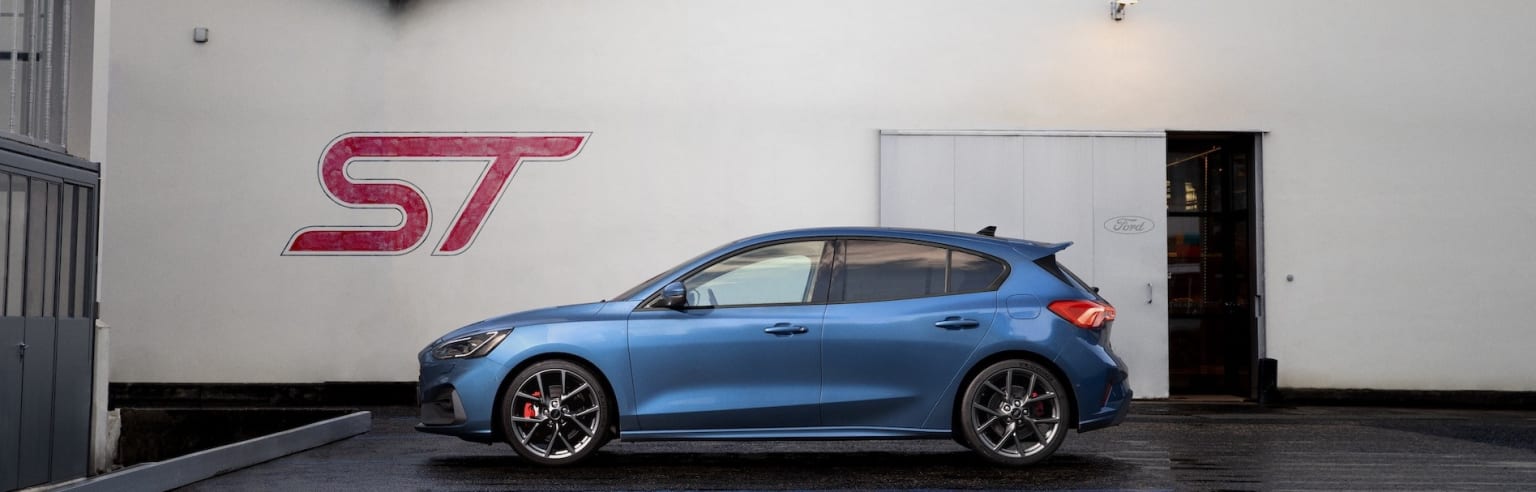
(1053, 266)
(830, 272)
(818, 296)
(835, 291)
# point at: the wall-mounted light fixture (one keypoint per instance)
(1117, 8)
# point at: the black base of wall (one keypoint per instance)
(383, 394)
(1506, 400)
(333, 394)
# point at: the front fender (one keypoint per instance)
(602, 344)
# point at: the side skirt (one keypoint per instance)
(786, 434)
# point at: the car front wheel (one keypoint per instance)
(1013, 413)
(555, 413)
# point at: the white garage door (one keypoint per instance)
(1104, 191)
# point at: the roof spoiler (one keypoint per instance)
(1034, 250)
(1057, 247)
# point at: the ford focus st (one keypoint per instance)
(845, 333)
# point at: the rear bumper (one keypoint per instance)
(1121, 408)
(1104, 397)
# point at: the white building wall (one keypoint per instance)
(1397, 163)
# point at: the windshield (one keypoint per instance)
(636, 290)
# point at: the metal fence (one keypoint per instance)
(34, 61)
(48, 224)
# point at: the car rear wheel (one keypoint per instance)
(1013, 413)
(555, 413)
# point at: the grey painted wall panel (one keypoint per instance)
(1058, 197)
(37, 393)
(989, 184)
(72, 399)
(1129, 177)
(917, 181)
(11, 331)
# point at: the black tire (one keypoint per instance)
(1008, 407)
(555, 413)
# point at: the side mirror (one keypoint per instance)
(674, 295)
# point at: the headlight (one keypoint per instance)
(476, 345)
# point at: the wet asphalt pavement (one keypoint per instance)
(1160, 446)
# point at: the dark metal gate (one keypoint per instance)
(48, 225)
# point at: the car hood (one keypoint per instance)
(557, 314)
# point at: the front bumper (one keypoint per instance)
(457, 396)
(444, 409)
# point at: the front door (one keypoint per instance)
(744, 352)
(1211, 264)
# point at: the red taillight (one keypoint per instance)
(1083, 314)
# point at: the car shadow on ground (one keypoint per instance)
(782, 470)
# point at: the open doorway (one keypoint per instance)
(1213, 333)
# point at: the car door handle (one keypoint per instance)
(785, 329)
(956, 323)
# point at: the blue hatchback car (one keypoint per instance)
(833, 333)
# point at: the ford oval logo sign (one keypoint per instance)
(1128, 224)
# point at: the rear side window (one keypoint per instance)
(884, 270)
(889, 270)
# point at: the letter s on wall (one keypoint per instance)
(505, 151)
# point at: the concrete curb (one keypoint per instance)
(183, 470)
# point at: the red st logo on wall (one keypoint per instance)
(504, 151)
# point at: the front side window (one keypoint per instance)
(778, 274)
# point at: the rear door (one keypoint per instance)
(902, 320)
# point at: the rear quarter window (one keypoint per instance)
(971, 273)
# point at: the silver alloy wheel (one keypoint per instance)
(1016, 412)
(554, 422)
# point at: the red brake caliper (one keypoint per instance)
(528, 410)
(1039, 409)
